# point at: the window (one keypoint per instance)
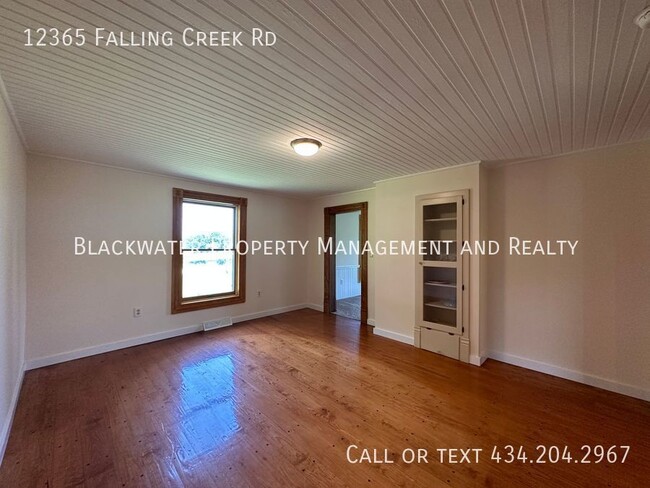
(209, 272)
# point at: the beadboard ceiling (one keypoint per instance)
(391, 87)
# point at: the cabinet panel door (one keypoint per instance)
(440, 343)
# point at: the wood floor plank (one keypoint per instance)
(277, 401)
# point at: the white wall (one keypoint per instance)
(77, 302)
(395, 275)
(12, 270)
(315, 229)
(585, 317)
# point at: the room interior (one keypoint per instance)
(519, 124)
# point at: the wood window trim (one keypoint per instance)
(178, 304)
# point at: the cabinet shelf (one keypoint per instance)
(439, 322)
(446, 284)
(432, 263)
(446, 219)
(439, 305)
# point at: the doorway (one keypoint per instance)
(346, 273)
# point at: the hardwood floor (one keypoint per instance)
(277, 402)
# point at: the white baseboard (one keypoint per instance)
(394, 336)
(570, 374)
(112, 346)
(371, 322)
(6, 427)
(268, 313)
(136, 341)
(477, 360)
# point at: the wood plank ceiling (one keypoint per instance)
(391, 87)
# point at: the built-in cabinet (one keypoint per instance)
(442, 276)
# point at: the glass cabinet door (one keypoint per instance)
(439, 229)
(440, 303)
(440, 274)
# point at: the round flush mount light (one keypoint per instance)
(643, 19)
(305, 146)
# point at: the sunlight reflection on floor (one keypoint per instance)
(208, 403)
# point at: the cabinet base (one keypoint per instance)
(440, 342)
(450, 345)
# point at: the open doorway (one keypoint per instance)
(346, 273)
(347, 268)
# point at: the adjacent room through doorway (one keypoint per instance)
(348, 267)
(346, 271)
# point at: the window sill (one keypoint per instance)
(192, 305)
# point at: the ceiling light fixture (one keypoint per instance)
(643, 19)
(305, 146)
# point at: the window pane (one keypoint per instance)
(208, 225)
(208, 273)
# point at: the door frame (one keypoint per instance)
(329, 291)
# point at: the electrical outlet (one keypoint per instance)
(137, 312)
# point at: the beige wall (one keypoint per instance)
(77, 302)
(395, 275)
(484, 265)
(12, 269)
(314, 227)
(585, 317)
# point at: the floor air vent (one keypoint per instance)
(217, 324)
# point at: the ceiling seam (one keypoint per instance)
(549, 47)
(610, 69)
(592, 67)
(504, 35)
(533, 61)
(496, 69)
(422, 91)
